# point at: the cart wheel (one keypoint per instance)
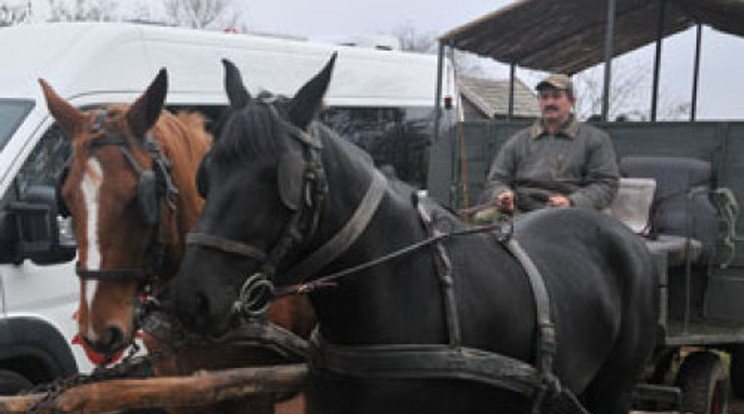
(737, 370)
(12, 383)
(704, 383)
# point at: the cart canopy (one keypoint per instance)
(569, 36)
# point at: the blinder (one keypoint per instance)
(290, 179)
(147, 198)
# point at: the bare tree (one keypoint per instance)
(83, 10)
(413, 41)
(627, 90)
(630, 94)
(203, 14)
(675, 111)
(11, 15)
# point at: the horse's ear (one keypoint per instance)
(145, 111)
(309, 99)
(68, 117)
(234, 86)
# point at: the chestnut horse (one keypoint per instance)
(131, 193)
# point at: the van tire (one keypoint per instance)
(11, 383)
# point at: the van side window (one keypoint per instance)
(397, 138)
(46, 161)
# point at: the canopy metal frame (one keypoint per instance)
(671, 16)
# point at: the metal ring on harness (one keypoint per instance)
(255, 295)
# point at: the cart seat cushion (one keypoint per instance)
(681, 204)
(632, 203)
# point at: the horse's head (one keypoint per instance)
(113, 190)
(261, 189)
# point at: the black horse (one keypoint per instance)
(280, 189)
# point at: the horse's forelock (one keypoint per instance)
(250, 133)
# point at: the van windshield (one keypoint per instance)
(12, 113)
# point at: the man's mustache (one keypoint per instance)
(551, 107)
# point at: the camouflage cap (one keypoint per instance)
(557, 81)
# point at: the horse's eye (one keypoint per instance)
(202, 186)
(202, 179)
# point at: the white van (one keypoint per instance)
(92, 64)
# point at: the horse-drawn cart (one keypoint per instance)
(694, 171)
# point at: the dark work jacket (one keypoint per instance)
(578, 162)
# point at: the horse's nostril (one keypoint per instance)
(115, 337)
(202, 305)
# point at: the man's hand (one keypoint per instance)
(559, 201)
(505, 201)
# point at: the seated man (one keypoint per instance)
(556, 162)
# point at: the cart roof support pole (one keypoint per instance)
(609, 52)
(657, 58)
(512, 73)
(438, 95)
(696, 72)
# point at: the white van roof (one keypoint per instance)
(87, 58)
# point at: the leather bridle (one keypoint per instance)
(154, 188)
(257, 290)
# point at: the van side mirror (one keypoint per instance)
(30, 229)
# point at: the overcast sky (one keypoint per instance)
(721, 80)
(335, 17)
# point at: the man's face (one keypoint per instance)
(555, 105)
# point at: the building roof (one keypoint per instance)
(492, 96)
(569, 35)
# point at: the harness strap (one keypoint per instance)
(112, 274)
(421, 361)
(269, 335)
(429, 361)
(252, 332)
(349, 233)
(546, 339)
(444, 271)
(225, 245)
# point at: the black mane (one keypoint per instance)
(255, 131)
